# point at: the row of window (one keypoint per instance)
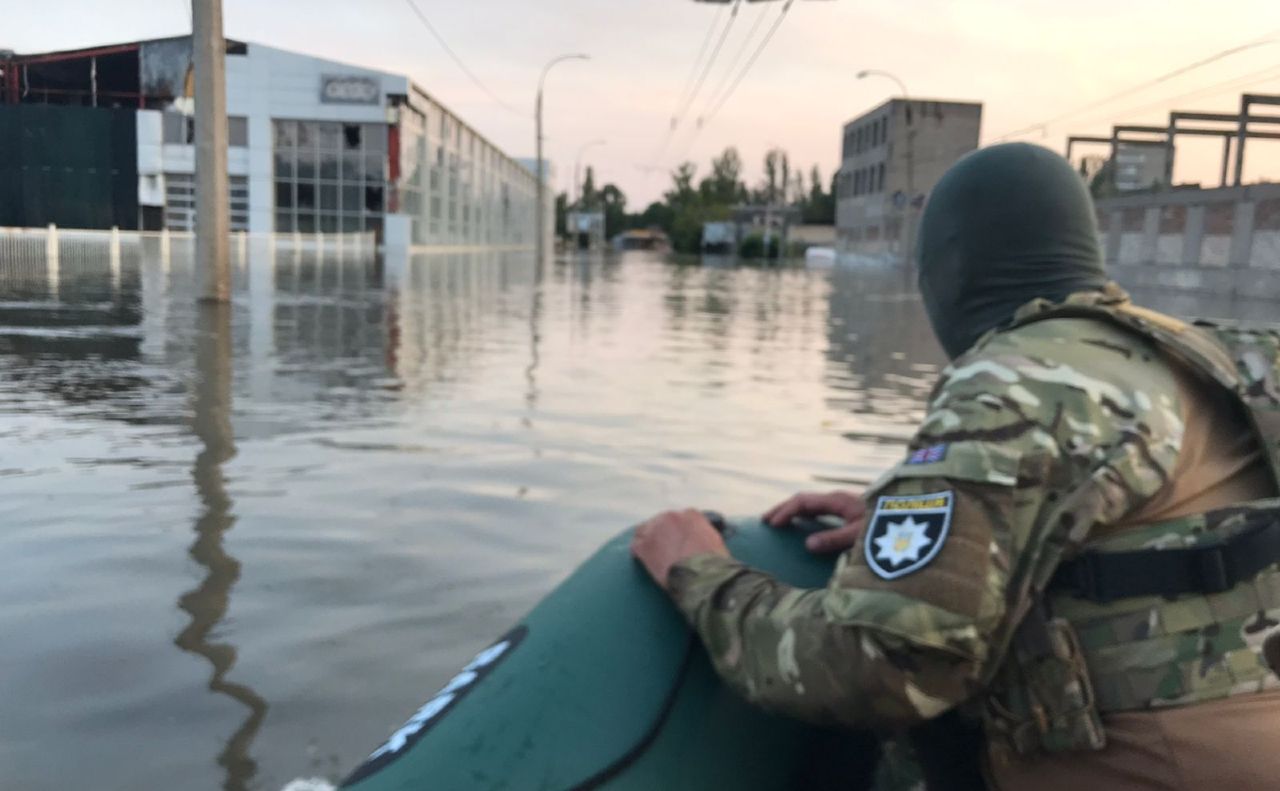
(866, 136)
(329, 176)
(455, 189)
(863, 181)
(329, 136)
(179, 129)
(329, 165)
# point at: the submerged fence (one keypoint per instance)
(41, 259)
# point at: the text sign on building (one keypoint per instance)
(346, 89)
(1140, 166)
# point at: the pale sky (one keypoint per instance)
(1027, 60)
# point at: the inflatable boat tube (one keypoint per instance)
(602, 686)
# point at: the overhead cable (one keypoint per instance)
(737, 58)
(693, 69)
(1178, 72)
(706, 69)
(777, 23)
(741, 75)
(1214, 89)
(688, 84)
(683, 107)
(449, 51)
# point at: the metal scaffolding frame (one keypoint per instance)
(1140, 134)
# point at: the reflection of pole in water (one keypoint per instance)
(207, 603)
(535, 338)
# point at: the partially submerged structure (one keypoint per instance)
(892, 156)
(102, 137)
(585, 230)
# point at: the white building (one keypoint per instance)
(315, 145)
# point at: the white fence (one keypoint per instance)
(48, 256)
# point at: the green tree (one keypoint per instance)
(772, 171)
(656, 215)
(682, 192)
(723, 187)
(614, 204)
(1103, 184)
(818, 207)
(589, 198)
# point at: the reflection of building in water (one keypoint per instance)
(884, 358)
(56, 332)
(450, 306)
(329, 319)
(314, 146)
(208, 602)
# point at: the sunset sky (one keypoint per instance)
(1026, 60)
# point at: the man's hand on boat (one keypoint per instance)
(673, 536)
(849, 508)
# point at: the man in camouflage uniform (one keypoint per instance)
(1080, 457)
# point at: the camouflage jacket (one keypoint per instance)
(919, 616)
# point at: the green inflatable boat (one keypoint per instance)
(604, 686)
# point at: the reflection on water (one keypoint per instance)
(410, 454)
(207, 604)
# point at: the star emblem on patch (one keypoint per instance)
(906, 532)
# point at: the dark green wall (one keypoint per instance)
(73, 166)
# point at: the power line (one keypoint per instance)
(683, 107)
(702, 120)
(693, 70)
(1215, 89)
(688, 83)
(1267, 39)
(449, 51)
(737, 58)
(777, 23)
(706, 69)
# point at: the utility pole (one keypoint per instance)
(540, 229)
(541, 204)
(908, 211)
(213, 220)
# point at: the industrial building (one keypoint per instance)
(102, 137)
(890, 159)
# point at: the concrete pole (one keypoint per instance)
(540, 231)
(541, 198)
(1226, 159)
(213, 220)
(1241, 135)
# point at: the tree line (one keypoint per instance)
(689, 201)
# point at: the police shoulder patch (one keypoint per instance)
(906, 533)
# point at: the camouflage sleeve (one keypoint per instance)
(1014, 455)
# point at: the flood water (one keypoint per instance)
(230, 560)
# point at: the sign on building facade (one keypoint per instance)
(348, 89)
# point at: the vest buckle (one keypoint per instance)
(1215, 569)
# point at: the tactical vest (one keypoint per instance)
(1163, 615)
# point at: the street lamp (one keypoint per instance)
(577, 163)
(542, 199)
(865, 73)
(911, 135)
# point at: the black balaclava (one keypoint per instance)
(1005, 225)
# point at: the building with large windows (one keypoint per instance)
(314, 146)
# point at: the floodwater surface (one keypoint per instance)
(233, 558)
